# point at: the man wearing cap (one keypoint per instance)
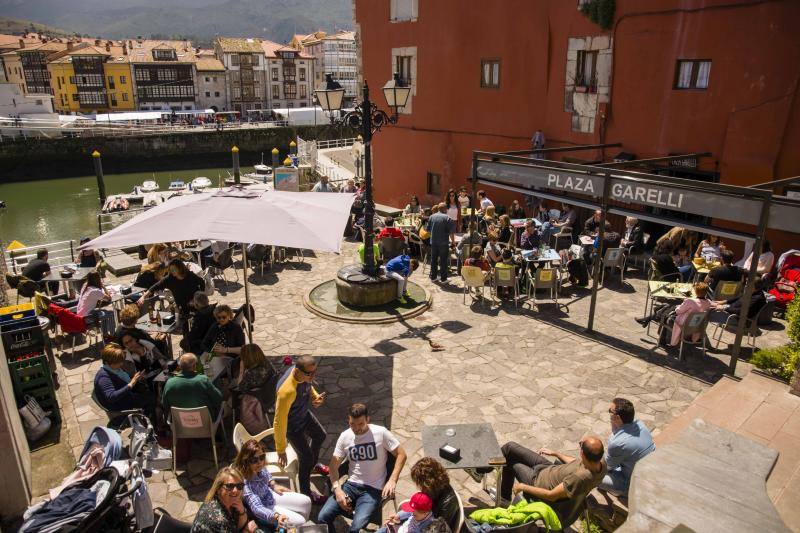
(366, 447)
(550, 482)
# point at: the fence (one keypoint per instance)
(108, 221)
(59, 253)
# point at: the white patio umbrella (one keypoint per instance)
(309, 220)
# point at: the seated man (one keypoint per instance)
(390, 232)
(592, 226)
(400, 268)
(630, 441)
(529, 239)
(552, 483)
(39, 268)
(472, 238)
(566, 219)
(366, 446)
(202, 320)
(190, 389)
(225, 337)
(727, 271)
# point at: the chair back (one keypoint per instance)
(546, 278)
(191, 423)
(257, 253)
(225, 259)
(505, 276)
(391, 248)
(460, 519)
(164, 523)
(695, 323)
(96, 400)
(473, 276)
(413, 238)
(727, 290)
(613, 258)
(566, 231)
(240, 435)
(26, 288)
(555, 213)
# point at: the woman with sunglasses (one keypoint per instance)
(269, 503)
(223, 511)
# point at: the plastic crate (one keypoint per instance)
(16, 312)
(22, 336)
(32, 377)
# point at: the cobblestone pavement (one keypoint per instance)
(533, 373)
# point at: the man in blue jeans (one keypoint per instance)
(441, 228)
(366, 447)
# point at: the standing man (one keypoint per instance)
(295, 423)
(439, 226)
(630, 441)
(537, 143)
(366, 446)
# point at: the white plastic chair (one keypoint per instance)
(292, 470)
(195, 423)
(506, 277)
(473, 278)
(544, 279)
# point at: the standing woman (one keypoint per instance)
(269, 503)
(451, 202)
(181, 282)
(223, 511)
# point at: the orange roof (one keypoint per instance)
(236, 44)
(142, 51)
(205, 64)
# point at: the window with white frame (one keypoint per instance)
(490, 73)
(403, 10)
(692, 74)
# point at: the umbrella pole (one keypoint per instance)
(246, 294)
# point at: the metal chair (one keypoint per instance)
(613, 259)
(223, 262)
(473, 278)
(545, 278)
(257, 254)
(695, 323)
(391, 248)
(564, 233)
(164, 523)
(644, 255)
(506, 276)
(116, 419)
(415, 239)
(195, 423)
(292, 469)
(750, 326)
(726, 290)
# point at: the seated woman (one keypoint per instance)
(89, 257)
(489, 220)
(493, 251)
(157, 254)
(115, 389)
(664, 262)
(710, 248)
(504, 233)
(542, 213)
(677, 314)
(202, 320)
(254, 371)
(223, 510)
(430, 477)
(516, 210)
(127, 325)
(225, 337)
(413, 207)
(92, 296)
(476, 259)
(143, 356)
(268, 502)
(684, 263)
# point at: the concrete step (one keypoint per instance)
(121, 264)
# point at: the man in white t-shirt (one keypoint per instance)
(367, 448)
(485, 202)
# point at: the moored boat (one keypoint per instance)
(149, 186)
(200, 183)
(177, 185)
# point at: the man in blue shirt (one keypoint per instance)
(400, 268)
(630, 441)
(442, 233)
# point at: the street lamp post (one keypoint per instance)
(367, 119)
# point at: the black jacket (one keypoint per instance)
(202, 321)
(665, 265)
(182, 289)
(230, 336)
(637, 239)
(445, 506)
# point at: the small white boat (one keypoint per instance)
(149, 186)
(177, 185)
(200, 183)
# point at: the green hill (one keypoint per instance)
(17, 26)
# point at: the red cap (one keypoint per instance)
(421, 502)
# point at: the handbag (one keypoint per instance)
(34, 419)
(144, 447)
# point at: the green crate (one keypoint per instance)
(32, 377)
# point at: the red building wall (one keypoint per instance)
(748, 117)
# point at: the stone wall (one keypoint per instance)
(583, 101)
(53, 158)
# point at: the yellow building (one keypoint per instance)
(92, 79)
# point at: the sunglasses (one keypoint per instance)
(230, 487)
(612, 411)
(307, 373)
(258, 459)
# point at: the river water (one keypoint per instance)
(38, 212)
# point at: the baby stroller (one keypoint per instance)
(104, 493)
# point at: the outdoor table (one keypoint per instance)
(671, 290)
(548, 255)
(77, 278)
(520, 222)
(197, 251)
(118, 299)
(152, 327)
(705, 268)
(476, 442)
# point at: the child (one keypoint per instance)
(421, 515)
(400, 268)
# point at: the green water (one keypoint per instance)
(45, 211)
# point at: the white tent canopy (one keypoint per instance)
(292, 219)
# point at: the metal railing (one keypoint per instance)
(335, 143)
(58, 253)
(108, 221)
